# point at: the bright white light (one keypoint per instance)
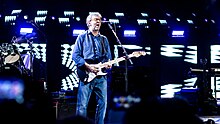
(168, 14)
(172, 50)
(41, 12)
(24, 31)
(78, 19)
(141, 21)
(163, 21)
(129, 33)
(213, 21)
(53, 18)
(76, 32)
(144, 14)
(68, 13)
(131, 47)
(178, 33)
(190, 21)
(215, 52)
(63, 20)
(16, 11)
(25, 16)
(40, 19)
(119, 14)
(10, 18)
(116, 21)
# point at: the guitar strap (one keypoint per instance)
(93, 44)
(103, 46)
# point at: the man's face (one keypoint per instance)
(95, 23)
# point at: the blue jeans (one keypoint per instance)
(99, 86)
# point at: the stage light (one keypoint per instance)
(130, 47)
(115, 21)
(172, 50)
(168, 14)
(40, 19)
(178, 19)
(213, 21)
(63, 20)
(68, 13)
(71, 80)
(16, 11)
(76, 32)
(119, 14)
(190, 21)
(141, 21)
(25, 17)
(129, 33)
(193, 14)
(147, 26)
(176, 33)
(78, 18)
(53, 17)
(144, 14)
(215, 53)
(10, 18)
(24, 31)
(163, 22)
(41, 12)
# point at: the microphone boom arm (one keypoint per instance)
(124, 51)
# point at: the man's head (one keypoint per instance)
(93, 21)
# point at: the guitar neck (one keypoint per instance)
(115, 61)
(134, 54)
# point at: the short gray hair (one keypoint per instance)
(89, 17)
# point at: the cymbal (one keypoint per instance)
(12, 58)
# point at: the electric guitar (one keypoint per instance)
(89, 76)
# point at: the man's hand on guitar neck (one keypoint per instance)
(107, 65)
(92, 68)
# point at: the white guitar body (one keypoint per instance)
(91, 75)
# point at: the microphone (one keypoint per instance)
(106, 21)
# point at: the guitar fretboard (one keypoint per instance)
(121, 59)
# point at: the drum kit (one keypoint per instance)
(11, 61)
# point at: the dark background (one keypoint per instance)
(148, 68)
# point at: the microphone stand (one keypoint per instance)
(31, 57)
(126, 58)
(32, 22)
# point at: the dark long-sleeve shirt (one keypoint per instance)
(91, 49)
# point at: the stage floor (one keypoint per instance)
(66, 107)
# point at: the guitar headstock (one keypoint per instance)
(138, 53)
